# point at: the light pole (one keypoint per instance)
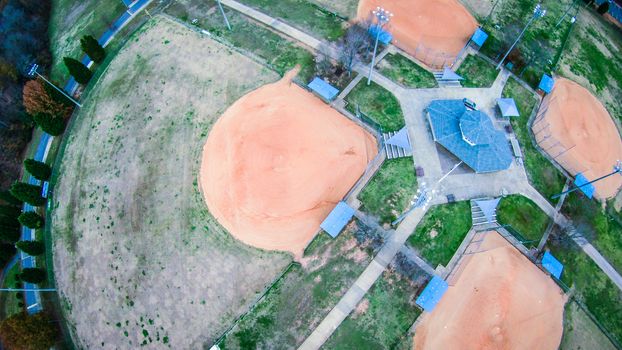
(382, 18)
(33, 71)
(617, 169)
(222, 11)
(538, 12)
(27, 290)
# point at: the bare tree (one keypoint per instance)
(323, 65)
(354, 43)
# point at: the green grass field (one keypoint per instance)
(543, 176)
(603, 229)
(304, 15)
(580, 332)
(440, 232)
(378, 104)
(389, 192)
(9, 300)
(600, 295)
(524, 216)
(302, 298)
(381, 319)
(72, 19)
(282, 54)
(477, 72)
(406, 72)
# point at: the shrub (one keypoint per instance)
(33, 275)
(28, 193)
(9, 234)
(49, 123)
(91, 47)
(31, 219)
(6, 252)
(38, 100)
(38, 170)
(19, 296)
(8, 198)
(78, 70)
(9, 211)
(32, 248)
(24, 331)
(603, 8)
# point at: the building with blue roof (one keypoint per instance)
(508, 108)
(479, 37)
(582, 182)
(552, 265)
(337, 219)
(469, 135)
(546, 84)
(432, 294)
(324, 89)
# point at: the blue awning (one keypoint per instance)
(449, 74)
(432, 294)
(401, 140)
(324, 89)
(552, 265)
(337, 219)
(383, 37)
(479, 37)
(546, 83)
(588, 190)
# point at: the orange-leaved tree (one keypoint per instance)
(38, 100)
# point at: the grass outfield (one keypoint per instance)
(304, 15)
(382, 318)
(524, 216)
(592, 286)
(543, 176)
(580, 332)
(477, 72)
(440, 232)
(603, 229)
(406, 72)
(303, 297)
(8, 300)
(376, 103)
(391, 189)
(345, 8)
(278, 51)
(72, 19)
(128, 220)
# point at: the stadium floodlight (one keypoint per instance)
(538, 12)
(617, 169)
(222, 11)
(33, 71)
(382, 17)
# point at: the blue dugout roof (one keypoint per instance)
(552, 265)
(324, 89)
(588, 190)
(384, 37)
(479, 37)
(337, 219)
(469, 135)
(432, 294)
(546, 83)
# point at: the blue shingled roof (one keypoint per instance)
(546, 83)
(469, 135)
(588, 190)
(432, 294)
(337, 219)
(479, 37)
(324, 89)
(552, 265)
(384, 37)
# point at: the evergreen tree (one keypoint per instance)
(9, 211)
(32, 248)
(25, 331)
(91, 47)
(603, 8)
(50, 124)
(7, 197)
(6, 252)
(28, 193)
(33, 275)
(78, 70)
(9, 234)
(31, 219)
(38, 170)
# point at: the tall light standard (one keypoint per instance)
(617, 169)
(382, 18)
(33, 71)
(222, 11)
(538, 12)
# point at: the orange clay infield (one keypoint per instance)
(426, 29)
(277, 162)
(576, 130)
(500, 301)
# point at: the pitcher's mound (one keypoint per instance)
(277, 162)
(500, 301)
(575, 129)
(433, 31)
